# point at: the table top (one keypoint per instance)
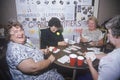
(83, 48)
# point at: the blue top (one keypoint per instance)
(16, 53)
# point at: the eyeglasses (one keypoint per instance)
(13, 32)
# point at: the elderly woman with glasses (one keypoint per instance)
(25, 60)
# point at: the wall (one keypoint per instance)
(96, 5)
(108, 9)
(7, 10)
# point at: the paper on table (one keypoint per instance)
(79, 52)
(73, 48)
(51, 48)
(96, 50)
(63, 59)
(68, 48)
(76, 46)
(67, 51)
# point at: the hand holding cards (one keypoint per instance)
(54, 49)
(90, 55)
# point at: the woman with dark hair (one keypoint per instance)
(52, 36)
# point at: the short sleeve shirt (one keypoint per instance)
(95, 35)
(109, 66)
(16, 53)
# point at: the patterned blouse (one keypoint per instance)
(95, 35)
(16, 53)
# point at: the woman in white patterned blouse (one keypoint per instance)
(92, 34)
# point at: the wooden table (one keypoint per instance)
(84, 47)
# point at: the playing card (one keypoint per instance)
(90, 55)
(63, 59)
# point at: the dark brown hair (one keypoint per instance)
(54, 21)
(7, 29)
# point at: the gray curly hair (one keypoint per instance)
(114, 25)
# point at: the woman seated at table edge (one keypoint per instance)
(25, 60)
(92, 35)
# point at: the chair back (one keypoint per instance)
(4, 70)
(107, 47)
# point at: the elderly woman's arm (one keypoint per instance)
(29, 66)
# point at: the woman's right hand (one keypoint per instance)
(89, 62)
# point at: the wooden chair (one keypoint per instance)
(107, 47)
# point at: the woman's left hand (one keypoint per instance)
(46, 51)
